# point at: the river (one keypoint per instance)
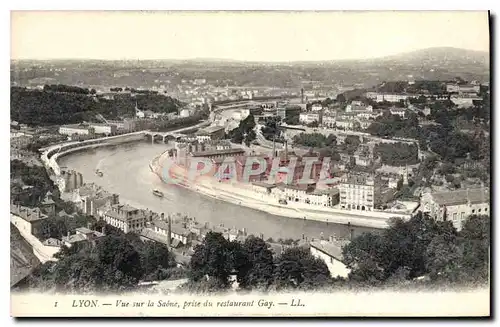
(126, 172)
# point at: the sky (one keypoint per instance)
(249, 36)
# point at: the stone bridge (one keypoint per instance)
(163, 136)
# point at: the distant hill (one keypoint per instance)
(430, 64)
(441, 55)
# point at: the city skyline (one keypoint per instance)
(294, 36)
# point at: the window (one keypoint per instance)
(473, 211)
(479, 210)
(485, 209)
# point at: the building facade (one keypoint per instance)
(456, 206)
(360, 192)
(126, 218)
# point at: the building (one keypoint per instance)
(360, 192)
(184, 113)
(71, 180)
(126, 218)
(307, 118)
(91, 201)
(462, 88)
(316, 107)
(216, 154)
(357, 106)
(83, 237)
(328, 121)
(456, 206)
(88, 129)
(465, 101)
(398, 111)
(106, 129)
(176, 233)
(120, 124)
(324, 198)
(288, 111)
(388, 97)
(30, 220)
(78, 129)
(292, 192)
(215, 132)
(331, 253)
(345, 124)
(48, 206)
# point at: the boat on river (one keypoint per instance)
(158, 193)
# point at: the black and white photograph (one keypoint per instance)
(250, 163)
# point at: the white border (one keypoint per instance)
(195, 5)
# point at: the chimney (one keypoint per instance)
(286, 151)
(162, 216)
(67, 234)
(89, 225)
(103, 230)
(261, 236)
(169, 231)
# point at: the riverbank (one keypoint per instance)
(242, 195)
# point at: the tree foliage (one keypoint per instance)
(48, 107)
(396, 154)
(422, 247)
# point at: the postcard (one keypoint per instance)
(250, 164)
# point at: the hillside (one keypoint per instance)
(431, 64)
(22, 259)
(442, 55)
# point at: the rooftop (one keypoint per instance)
(216, 152)
(125, 207)
(28, 214)
(213, 129)
(264, 184)
(478, 195)
(154, 236)
(329, 248)
(74, 238)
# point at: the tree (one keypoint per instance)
(296, 268)
(442, 259)
(402, 246)
(313, 124)
(341, 98)
(119, 262)
(212, 259)
(154, 257)
(257, 271)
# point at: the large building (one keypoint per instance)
(30, 220)
(126, 218)
(309, 117)
(360, 192)
(78, 129)
(462, 88)
(456, 206)
(214, 132)
(88, 129)
(71, 180)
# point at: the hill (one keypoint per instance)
(441, 55)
